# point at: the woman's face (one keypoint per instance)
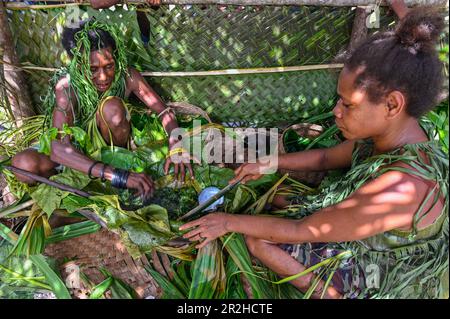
(102, 68)
(355, 115)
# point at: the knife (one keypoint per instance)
(211, 200)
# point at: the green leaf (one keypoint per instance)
(121, 290)
(55, 282)
(169, 289)
(49, 198)
(8, 234)
(238, 252)
(45, 141)
(73, 230)
(209, 278)
(99, 290)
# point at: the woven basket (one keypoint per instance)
(102, 249)
(184, 108)
(303, 130)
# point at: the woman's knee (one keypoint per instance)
(253, 244)
(32, 161)
(114, 112)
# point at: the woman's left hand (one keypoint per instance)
(208, 228)
(183, 162)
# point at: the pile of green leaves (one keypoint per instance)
(22, 276)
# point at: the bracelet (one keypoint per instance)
(120, 178)
(102, 174)
(90, 170)
(166, 110)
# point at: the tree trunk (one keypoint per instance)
(16, 87)
(359, 30)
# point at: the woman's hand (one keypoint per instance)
(180, 166)
(249, 172)
(208, 228)
(142, 183)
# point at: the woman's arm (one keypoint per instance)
(386, 203)
(139, 86)
(339, 156)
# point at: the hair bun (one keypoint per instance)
(420, 29)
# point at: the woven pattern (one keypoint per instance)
(254, 100)
(207, 37)
(38, 43)
(187, 38)
(104, 249)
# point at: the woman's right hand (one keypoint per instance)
(142, 183)
(248, 172)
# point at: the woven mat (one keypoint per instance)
(103, 249)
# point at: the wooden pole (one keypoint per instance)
(280, 69)
(16, 87)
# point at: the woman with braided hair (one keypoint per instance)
(90, 94)
(382, 230)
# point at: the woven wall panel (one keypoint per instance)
(186, 38)
(193, 38)
(258, 99)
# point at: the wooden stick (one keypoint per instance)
(44, 180)
(86, 213)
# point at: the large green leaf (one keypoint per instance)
(53, 279)
(49, 198)
(170, 291)
(235, 246)
(209, 278)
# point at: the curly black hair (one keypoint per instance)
(405, 60)
(99, 39)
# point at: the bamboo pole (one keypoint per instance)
(280, 69)
(331, 3)
(17, 93)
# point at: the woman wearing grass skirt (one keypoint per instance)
(381, 231)
(90, 94)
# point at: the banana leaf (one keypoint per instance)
(234, 244)
(209, 277)
(170, 291)
(234, 286)
(49, 198)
